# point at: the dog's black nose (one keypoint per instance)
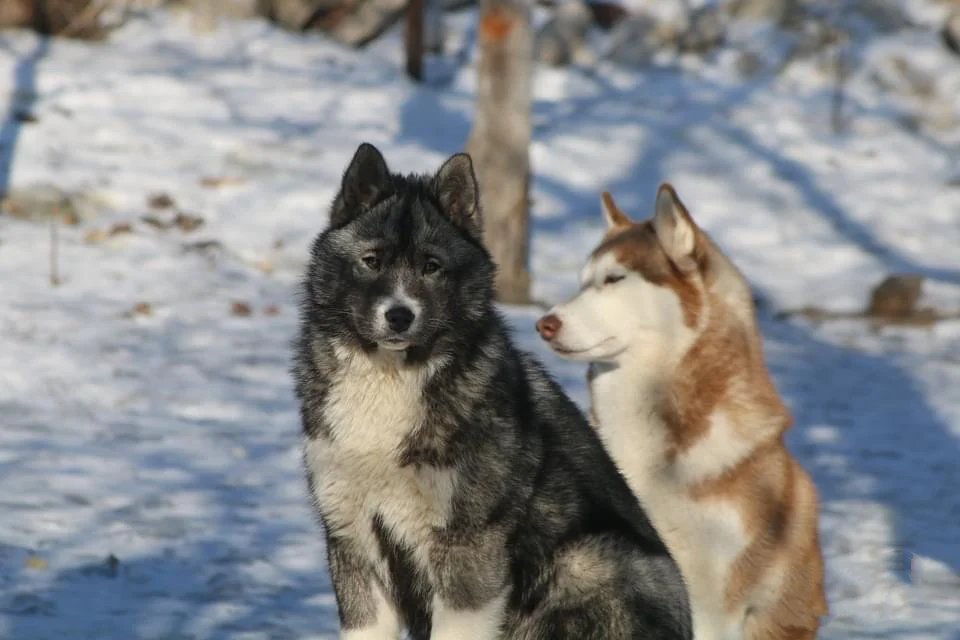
(399, 318)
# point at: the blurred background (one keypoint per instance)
(164, 166)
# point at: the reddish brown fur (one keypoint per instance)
(615, 216)
(764, 487)
(636, 247)
(725, 370)
(723, 367)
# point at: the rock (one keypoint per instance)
(896, 296)
(562, 40)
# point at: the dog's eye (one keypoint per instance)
(371, 261)
(431, 266)
(613, 279)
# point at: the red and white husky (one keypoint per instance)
(685, 405)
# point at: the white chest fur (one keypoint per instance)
(627, 426)
(705, 536)
(373, 404)
(371, 407)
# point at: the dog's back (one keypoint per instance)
(608, 574)
(685, 404)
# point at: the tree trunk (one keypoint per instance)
(413, 39)
(500, 140)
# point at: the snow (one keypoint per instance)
(170, 440)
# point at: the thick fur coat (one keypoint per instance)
(684, 402)
(462, 494)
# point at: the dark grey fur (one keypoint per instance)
(539, 511)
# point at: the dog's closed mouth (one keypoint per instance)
(394, 344)
(559, 349)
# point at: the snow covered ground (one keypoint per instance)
(149, 457)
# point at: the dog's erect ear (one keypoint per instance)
(676, 230)
(458, 193)
(612, 213)
(365, 181)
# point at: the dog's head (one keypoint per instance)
(645, 289)
(402, 266)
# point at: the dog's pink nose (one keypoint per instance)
(548, 326)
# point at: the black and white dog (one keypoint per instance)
(463, 495)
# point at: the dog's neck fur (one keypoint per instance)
(377, 401)
(713, 377)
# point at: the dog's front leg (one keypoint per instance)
(365, 612)
(470, 575)
(478, 622)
